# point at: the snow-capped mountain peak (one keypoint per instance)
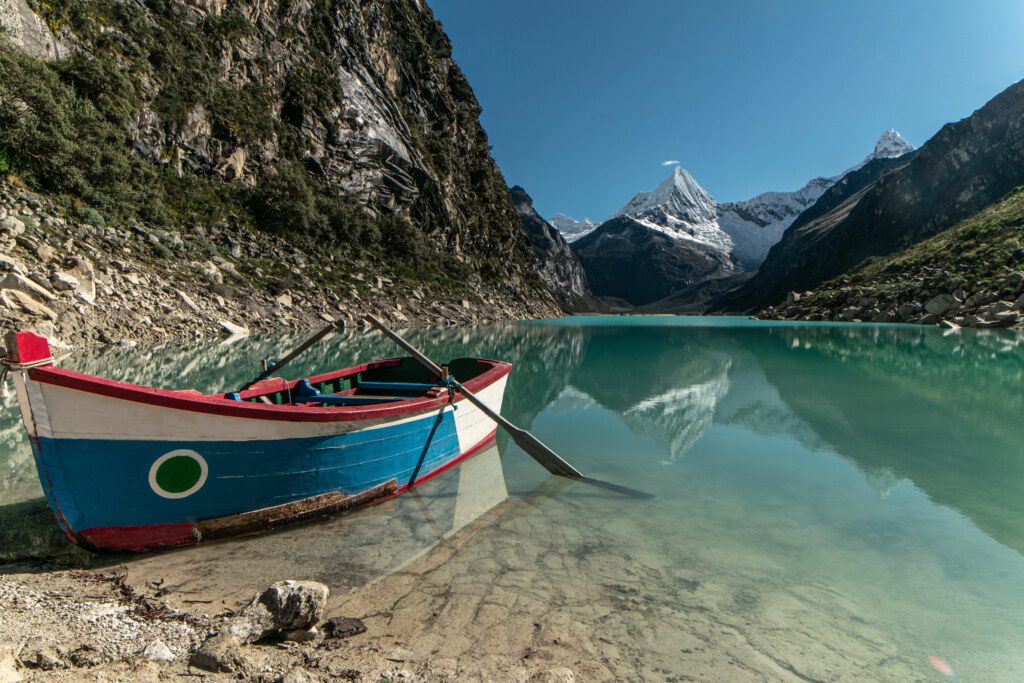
(679, 196)
(891, 145)
(571, 228)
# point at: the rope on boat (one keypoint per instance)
(8, 366)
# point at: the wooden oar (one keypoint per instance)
(339, 325)
(524, 439)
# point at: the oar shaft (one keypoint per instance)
(294, 354)
(528, 442)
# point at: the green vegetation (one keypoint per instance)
(978, 253)
(65, 130)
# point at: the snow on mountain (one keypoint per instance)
(680, 208)
(889, 145)
(757, 223)
(571, 228)
(745, 230)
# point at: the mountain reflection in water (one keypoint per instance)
(827, 498)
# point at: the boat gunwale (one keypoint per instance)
(215, 404)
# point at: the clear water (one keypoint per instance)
(832, 502)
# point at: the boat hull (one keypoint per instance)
(128, 474)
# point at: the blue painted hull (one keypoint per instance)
(104, 483)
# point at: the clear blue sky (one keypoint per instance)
(583, 99)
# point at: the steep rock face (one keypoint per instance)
(627, 258)
(966, 166)
(27, 30)
(559, 267)
(362, 97)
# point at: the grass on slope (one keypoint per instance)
(977, 253)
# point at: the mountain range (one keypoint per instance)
(880, 210)
(676, 242)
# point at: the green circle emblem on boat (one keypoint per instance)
(178, 474)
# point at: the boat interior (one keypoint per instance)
(377, 382)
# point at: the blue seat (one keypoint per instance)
(397, 386)
(304, 392)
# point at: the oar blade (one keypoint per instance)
(542, 454)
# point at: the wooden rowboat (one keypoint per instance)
(129, 467)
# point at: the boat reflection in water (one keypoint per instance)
(346, 551)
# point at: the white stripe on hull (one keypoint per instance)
(60, 412)
(471, 424)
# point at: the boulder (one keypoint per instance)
(940, 304)
(63, 282)
(343, 627)
(17, 300)
(284, 606)
(187, 300)
(23, 284)
(8, 263)
(45, 252)
(905, 311)
(157, 651)
(12, 226)
(233, 329)
(221, 653)
(85, 273)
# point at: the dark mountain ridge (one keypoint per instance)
(963, 168)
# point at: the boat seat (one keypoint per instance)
(397, 386)
(304, 392)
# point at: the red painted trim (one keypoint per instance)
(150, 536)
(217, 405)
(138, 538)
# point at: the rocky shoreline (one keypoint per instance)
(76, 625)
(981, 308)
(81, 282)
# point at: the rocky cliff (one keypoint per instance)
(559, 267)
(965, 167)
(344, 127)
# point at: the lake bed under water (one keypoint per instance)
(831, 502)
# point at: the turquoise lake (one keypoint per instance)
(830, 502)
